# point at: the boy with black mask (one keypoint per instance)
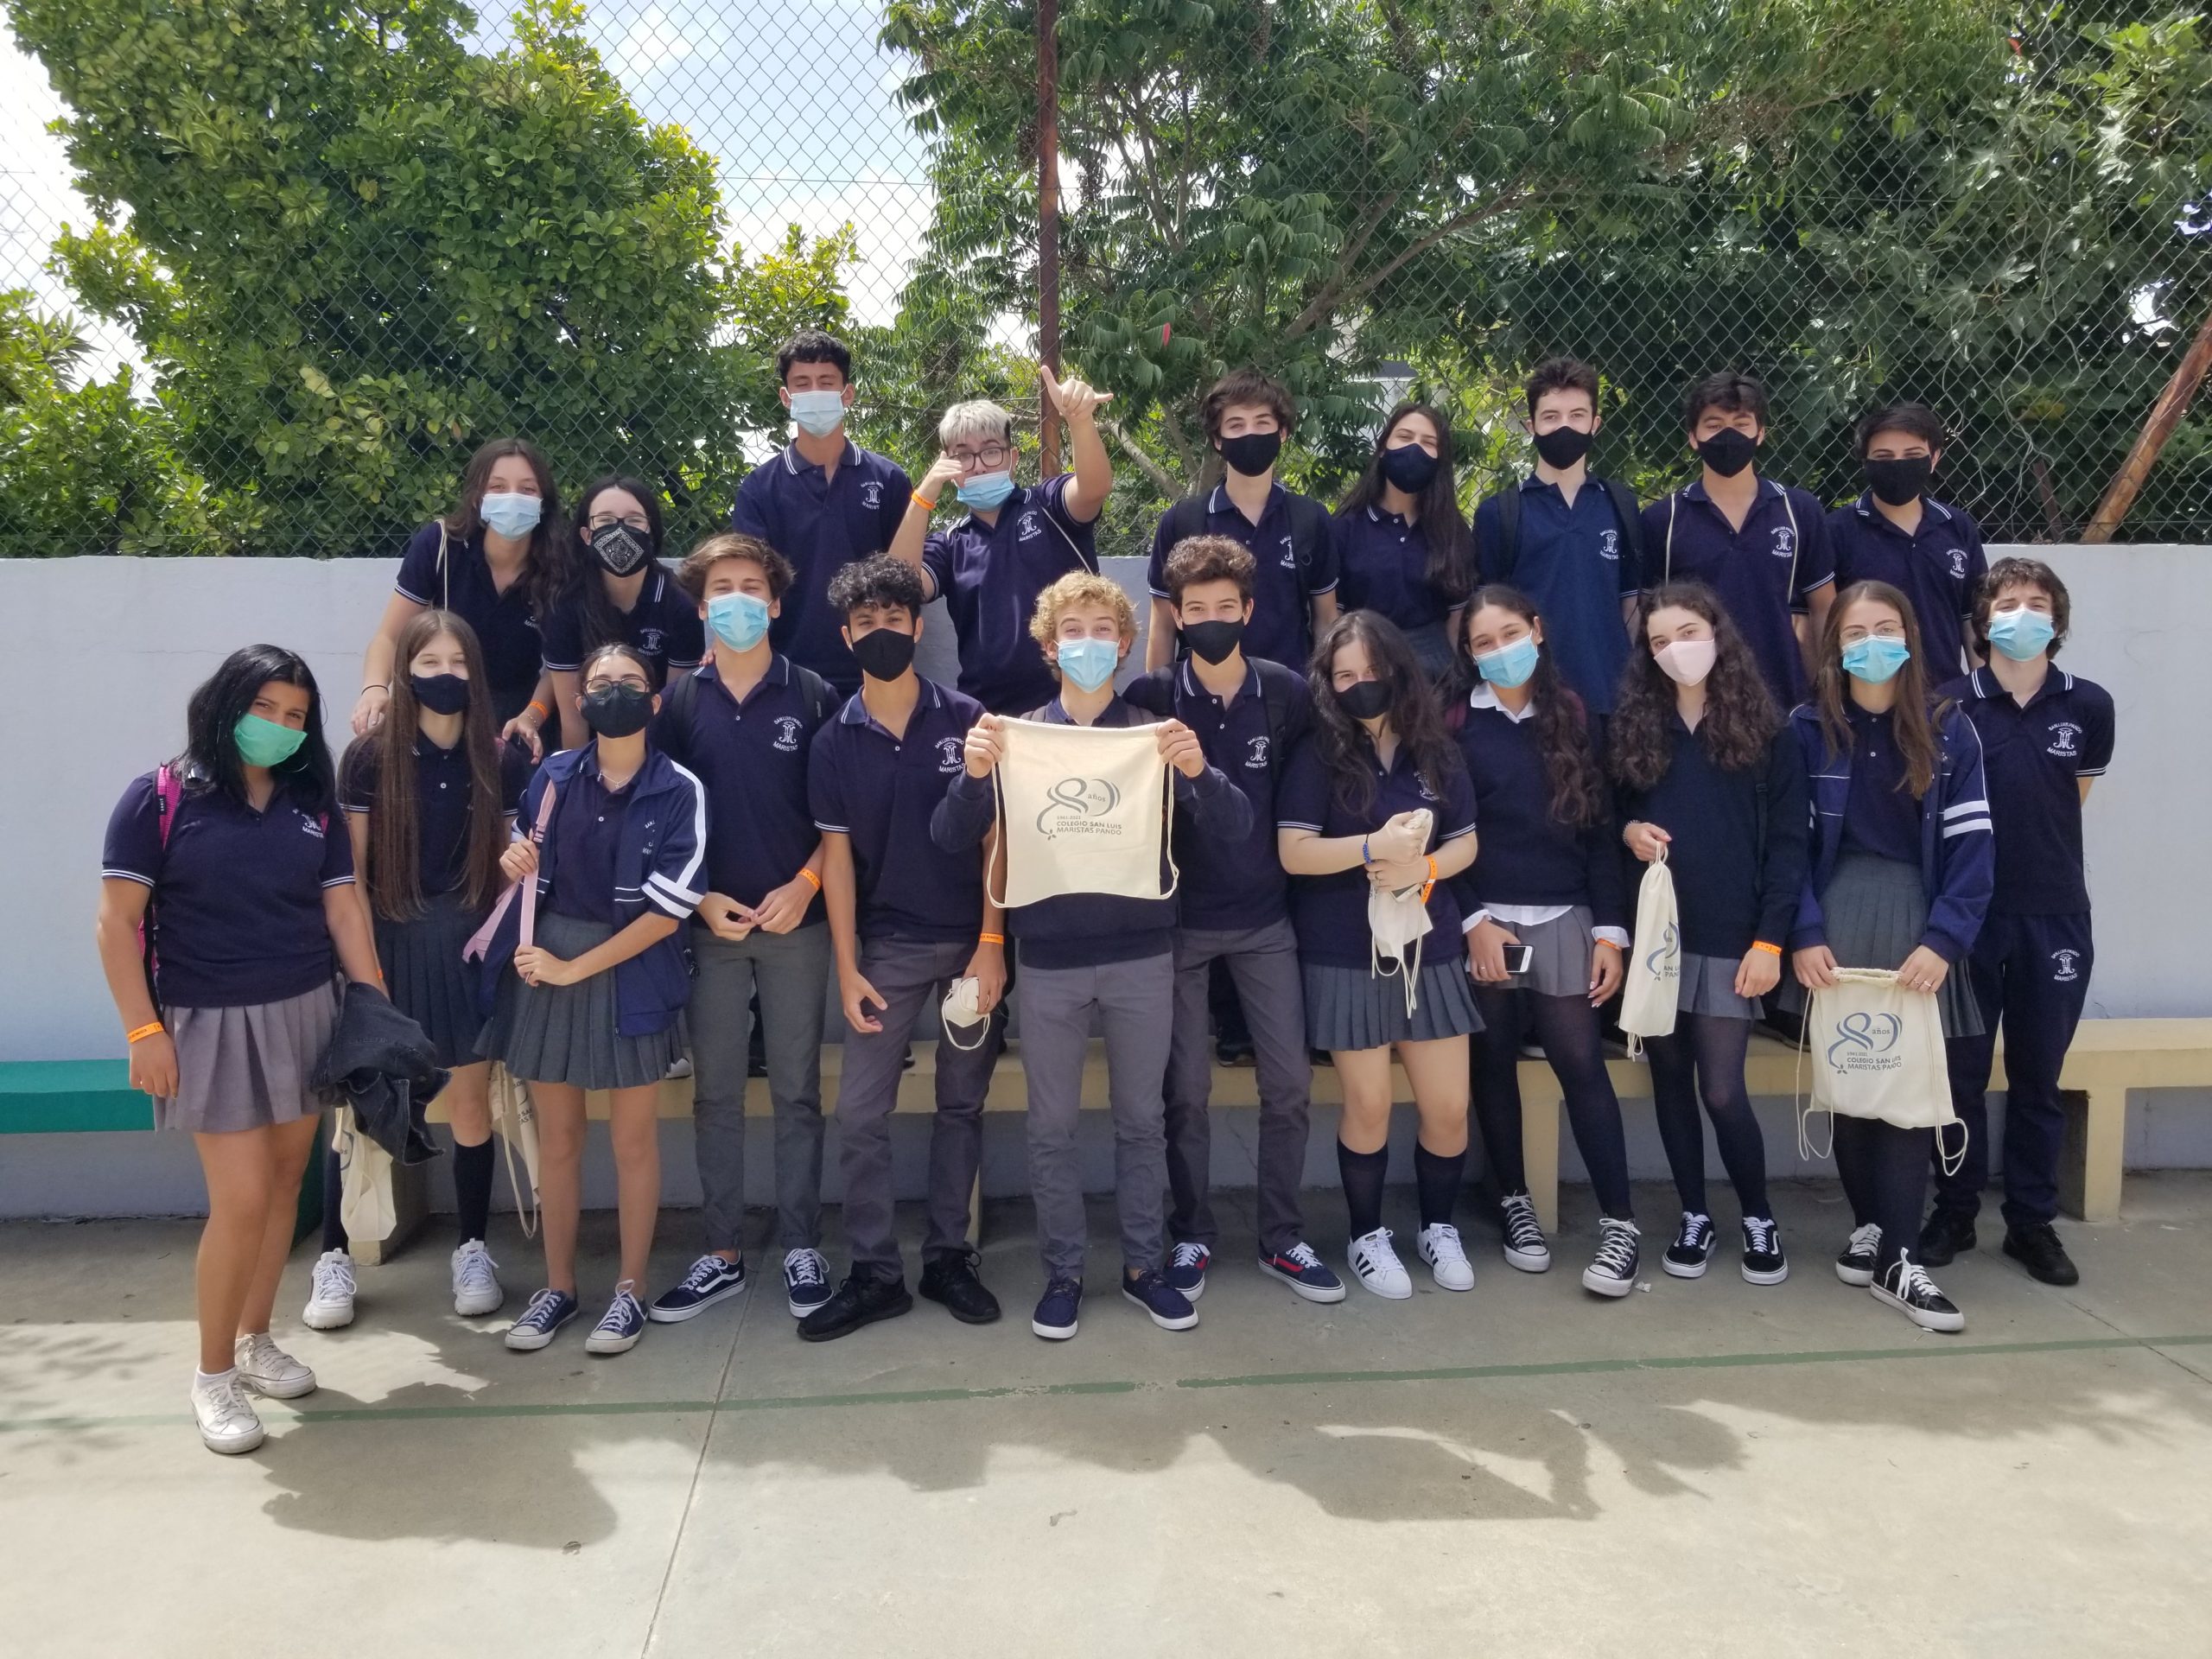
(1897, 532)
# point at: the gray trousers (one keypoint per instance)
(911, 974)
(1134, 1002)
(1263, 963)
(791, 972)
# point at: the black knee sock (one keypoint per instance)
(1437, 1178)
(472, 1188)
(334, 1196)
(1362, 1173)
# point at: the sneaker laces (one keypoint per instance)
(1189, 1255)
(1522, 1227)
(1302, 1255)
(1616, 1247)
(1761, 1230)
(1381, 1250)
(538, 1316)
(1696, 1230)
(707, 1268)
(1443, 1241)
(1913, 1284)
(262, 1354)
(231, 1407)
(618, 1316)
(473, 1266)
(1067, 1287)
(1864, 1241)
(333, 1277)
(804, 1268)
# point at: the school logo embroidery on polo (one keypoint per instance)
(1289, 555)
(1609, 544)
(948, 755)
(1255, 754)
(649, 641)
(2066, 967)
(2062, 733)
(1426, 793)
(872, 495)
(310, 823)
(1029, 530)
(1786, 541)
(1958, 564)
(786, 733)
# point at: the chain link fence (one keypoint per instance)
(315, 251)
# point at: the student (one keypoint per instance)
(1015, 541)
(1705, 770)
(429, 798)
(495, 561)
(1378, 755)
(1402, 543)
(619, 593)
(1762, 546)
(744, 724)
(907, 922)
(228, 858)
(1251, 716)
(1576, 551)
(1898, 533)
(1898, 877)
(2046, 736)
(1548, 877)
(597, 1000)
(1291, 537)
(1082, 955)
(821, 503)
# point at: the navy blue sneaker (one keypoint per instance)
(1054, 1320)
(548, 1312)
(806, 1281)
(710, 1281)
(1170, 1308)
(624, 1322)
(1186, 1270)
(1305, 1273)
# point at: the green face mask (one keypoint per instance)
(263, 742)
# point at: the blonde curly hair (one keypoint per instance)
(1080, 587)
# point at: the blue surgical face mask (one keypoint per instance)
(511, 513)
(2022, 635)
(1875, 658)
(986, 491)
(818, 413)
(740, 620)
(1509, 665)
(1089, 663)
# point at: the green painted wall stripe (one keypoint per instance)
(1936, 1348)
(70, 1097)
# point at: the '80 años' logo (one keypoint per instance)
(1079, 806)
(1865, 1042)
(1665, 962)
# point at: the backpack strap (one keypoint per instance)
(445, 578)
(1508, 531)
(1186, 519)
(1625, 513)
(1275, 700)
(820, 700)
(168, 795)
(1672, 502)
(678, 700)
(1790, 593)
(1309, 523)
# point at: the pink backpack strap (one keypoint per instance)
(479, 942)
(169, 794)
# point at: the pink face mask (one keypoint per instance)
(1686, 662)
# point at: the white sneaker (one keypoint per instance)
(266, 1368)
(1447, 1263)
(476, 1289)
(226, 1419)
(1524, 1240)
(1375, 1263)
(330, 1304)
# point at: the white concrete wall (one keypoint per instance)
(77, 723)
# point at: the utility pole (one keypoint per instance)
(1048, 228)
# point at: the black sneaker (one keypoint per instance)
(1186, 1270)
(710, 1281)
(1304, 1272)
(1854, 1263)
(1231, 1051)
(1946, 1233)
(1170, 1308)
(1054, 1320)
(1612, 1273)
(862, 1300)
(1763, 1262)
(1692, 1250)
(952, 1281)
(1524, 1238)
(2035, 1247)
(1907, 1287)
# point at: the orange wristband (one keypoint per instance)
(990, 938)
(924, 502)
(143, 1032)
(811, 877)
(544, 713)
(1771, 949)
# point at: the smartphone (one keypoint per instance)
(1518, 958)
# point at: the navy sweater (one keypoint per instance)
(1729, 892)
(1525, 855)
(1084, 930)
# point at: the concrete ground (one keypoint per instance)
(1704, 1467)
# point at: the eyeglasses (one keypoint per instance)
(636, 521)
(992, 455)
(602, 683)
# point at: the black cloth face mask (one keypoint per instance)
(442, 694)
(1213, 641)
(618, 710)
(1364, 699)
(1728, 451)
(1563, 446)
(1253, 452)
(620, 548)
(884, 654)
(1900, 483)
(1409, 467)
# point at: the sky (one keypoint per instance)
(793, 98)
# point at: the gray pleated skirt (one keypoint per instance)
(427, 980)
(1708, 987)
(1560, 954)
(565, 1034)
(247, 1068)
(1875, 914)
(1431, 644)
(1349, 1008)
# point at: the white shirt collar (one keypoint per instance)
(1485, 696)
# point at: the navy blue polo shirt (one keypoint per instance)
(1575, 564)
(504, 625)
(1937, 568)
(587, 837)
(751, 760)
(1329, 911)
(443, 793)
(821, 523)
(237, 913)
(2032, 757)
(664, 625)
(1384, 562)
(1786, 530)
(1878, 817)
(989, 576)
(880, 791)
(1281, 628)
(1241, 884)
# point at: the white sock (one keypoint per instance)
(214, 1379)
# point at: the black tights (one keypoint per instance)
(1704, 1056)
(472, 1191)
(1884, 1170)
(1567, 1027)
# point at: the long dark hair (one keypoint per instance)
(586, 578)
(1915, 716)
(394, 875)
(544, 565)
(211, 760)
(1451, 569)
(1571, 774)
(1342, 741)
(1740, 716)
